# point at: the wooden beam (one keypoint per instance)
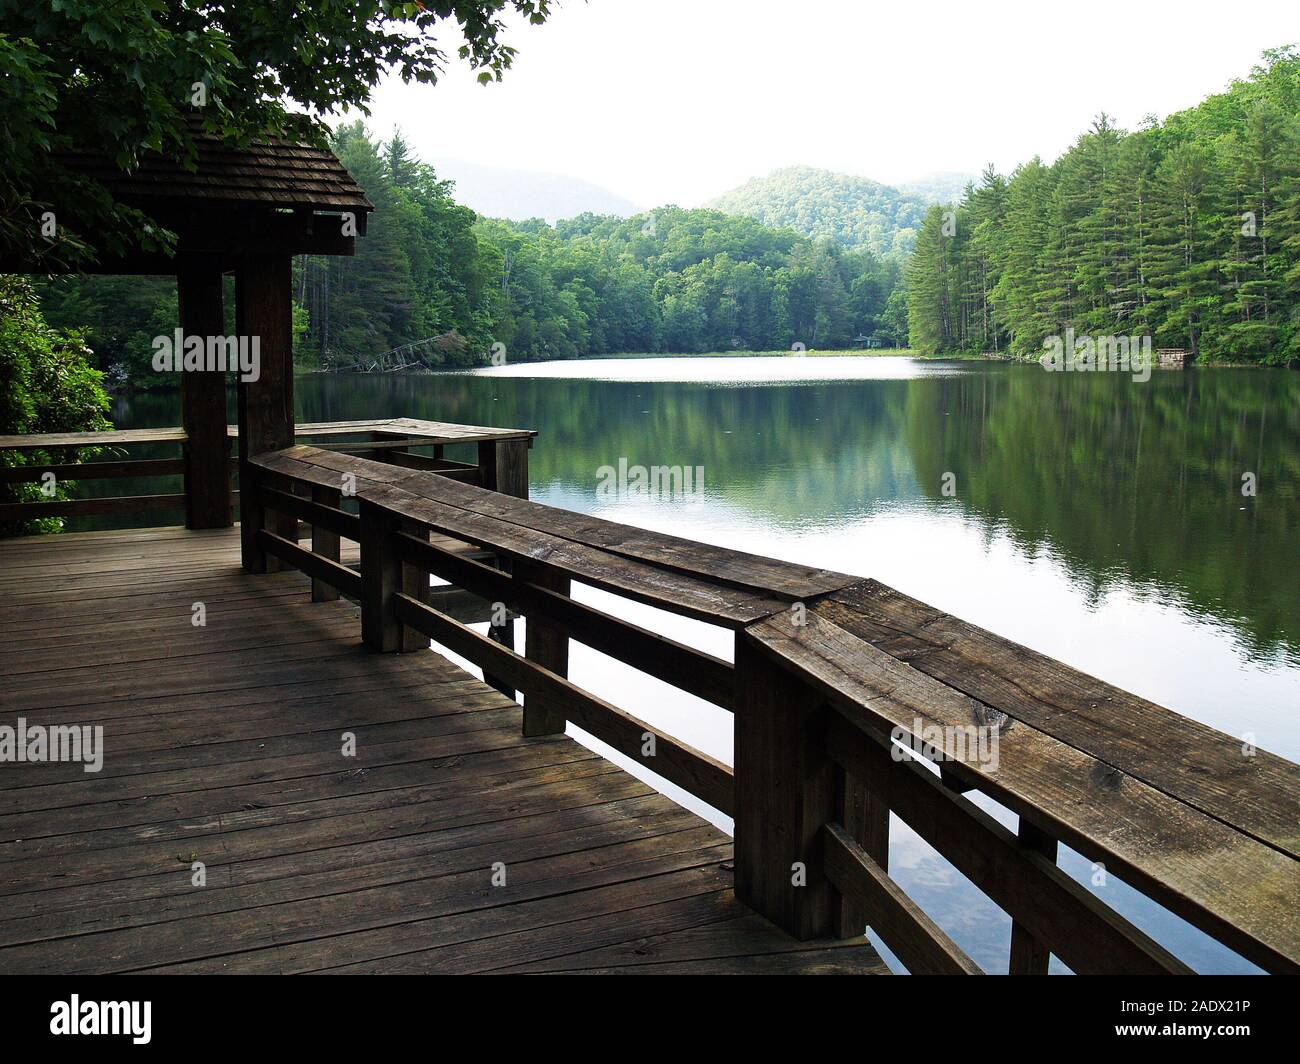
(1081, 929)
(263, 310)
(684, 667)
(325, 538)
(785, 794)
(321, 511)
(1029, 956)
(696, 772)
(203, 399)
(155, 467)
(862, 805)
(116, 504)
(381, 577)
(503, 466)
(339, 576)
(919, 942)
(546, 643)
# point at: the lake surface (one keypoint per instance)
(1094, 518)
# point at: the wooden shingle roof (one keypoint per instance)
(270, 173)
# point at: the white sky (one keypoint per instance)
(675, 101)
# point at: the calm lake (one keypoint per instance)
(1094, 518)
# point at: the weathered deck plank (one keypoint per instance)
(223, 745)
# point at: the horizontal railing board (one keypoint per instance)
(419, 432)
(44, 440)
(674, 663)
(113, 504)
(93, 470)
(707, 778)
(1182, 757)
(916, 939)
(395, 444)
(441, 466)
(422, 433)
(1230, 885)
(339, 576)
(313, 513)
(1087, 934)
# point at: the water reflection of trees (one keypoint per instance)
(1131, 484)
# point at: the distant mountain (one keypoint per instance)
(523, 194)
(856, 211)
(945, 187)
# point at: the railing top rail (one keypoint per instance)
(712, 583)
(44, 440)
(415, 431)
(1177, 809)
(427, 432)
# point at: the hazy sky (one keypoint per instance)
(674, 101)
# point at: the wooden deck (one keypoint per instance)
(223, 745)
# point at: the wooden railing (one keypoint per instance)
(831, 671)
(206, 478)
(66, 447)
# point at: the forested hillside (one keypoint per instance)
(430, 269)
(855, 211)
(1187, 231)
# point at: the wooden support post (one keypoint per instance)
(1028, 955)
(324, 542)
(381, 576)
(203, 400)
(547, 644)
(503, 466)
(385, 455)
(863, 808)
(505, 635)
(414, 582)
(785, 794)
(263, 313)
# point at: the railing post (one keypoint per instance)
(252, 517)
(203, 399)
(414, 582)
(324, 542)
(262, 312)
(548, 645)
(785, 794)
(503, 466)
(504, 634)
(863, 810)
(1028, 955)
(381, 576)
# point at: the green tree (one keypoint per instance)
(123, 78)
(46, 385)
